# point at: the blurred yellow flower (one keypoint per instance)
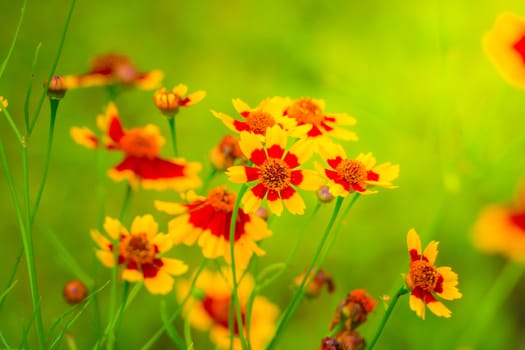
(3, 102)
(210, 312)
(169, 102)
(424, 279)
(138, 253)
(505, 47)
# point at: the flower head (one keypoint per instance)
(139, 253)
(141, 147)
(424, 280)
(226, 153)
(207, 221)
(275, 173)
(317, 283)
(353, 310)
(501, 229)
(355, 175)
(57, 88)
(169, 102)
(257, 120)
(114, 69)
(308, 111)
(211, 312)
(505, 47)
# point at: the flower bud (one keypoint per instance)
(354, 309)
(315, 287)
(57, 88)
(75, 291)
(167, 102)
(324, 195)
(226, 153)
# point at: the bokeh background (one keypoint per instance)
(412, 73)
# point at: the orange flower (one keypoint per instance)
(138, 252)
(308, 111)
(424, 279)
(211, 312)
(226, 153)
(207, 220)
(317, 283)
(274, 173)
(141, 147)
(169, 102)
(501, 229)
(114, 69)
(355, 175)
(505, 47)
(353, 310)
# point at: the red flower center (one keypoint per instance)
(137, 142)
(220, 199)
(306, 111)
(258, 121)
(352, 171)
(275, 174)
(137, 248)
(519, 46)
(423, 275)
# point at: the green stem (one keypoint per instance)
(386, 316)
(12, 125)
(54, 106)
(157, 335)
(299, 293)
(11, 279)
(235, 292)
(206, 182)
(53, 68)
(338, 327)
(500, 291)
(30, 87)
(29, 253)
(171, 122)
(15, 37)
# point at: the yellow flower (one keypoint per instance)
(207, 220)
(424, 279)
(274, 173)
(3, 102)
(211, 311)
(169, 102)
(139, 253)
(505, 47)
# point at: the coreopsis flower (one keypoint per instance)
(425, 280)
(169, 102)
(353, 310)
(208, 221)
(141, 147)
(355, 175)
(308, 111)
(344, 341)
(256, 120)
(226, 153)
(139, 253)
(274, 173)
(211, 311)
(317, 283)
(3, 103)
(501, 229)
(57, 88)
(75, 291)
(505, 47)
(114, 69)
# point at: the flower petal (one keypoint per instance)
(414, 245)
(162, 283)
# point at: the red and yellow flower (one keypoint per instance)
(355, 175)
(256, 120)
(501, 229)
(208, 221)
(275, 173)
(308, 111)
(424, 280)
(114, 69)
(211, 312)
(141, 147)
(139, 252)
(169, 102)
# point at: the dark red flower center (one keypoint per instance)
(220, 199)
(275, 174)
(306, 111)
(352, 171)
(423, 275)
(137, 249)
(138, 142)
(258, 121)
(519, 47)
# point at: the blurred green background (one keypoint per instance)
(413, 74)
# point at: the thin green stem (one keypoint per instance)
(157, 335)
(118, 318)
(235, 292)
(206, 182)
(299, 293)
(496, 296)
(11, 279)
(28, 247)
(386, 316)
(13, 125)
(15, 37)
(338, 327)
(30, 87)
(171, 123)
(53, 67)
(52, 117)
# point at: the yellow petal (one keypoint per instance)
(84, 137)
(180, 90)
(240, 106)
(144, 224)
(196, 97)
(236, 174)
(418, 306)
(132, 275)
(275, 136)
(113, 227)
(302, 150)
(105, 257)
(250, 202)
(248, 143)
(295, 204)
(275, 206)
(311, 180)
(431, 252)
(163, 242)
(174, 266)
(162, 283)
(413, 241)
(226, 119)
(439, 309)
(170, 207)
(101, 241)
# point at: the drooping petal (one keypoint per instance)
(106, 257)
(417, 305)
(439, 309)
(132, 275)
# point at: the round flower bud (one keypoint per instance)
(75, 291)
(57, 88)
